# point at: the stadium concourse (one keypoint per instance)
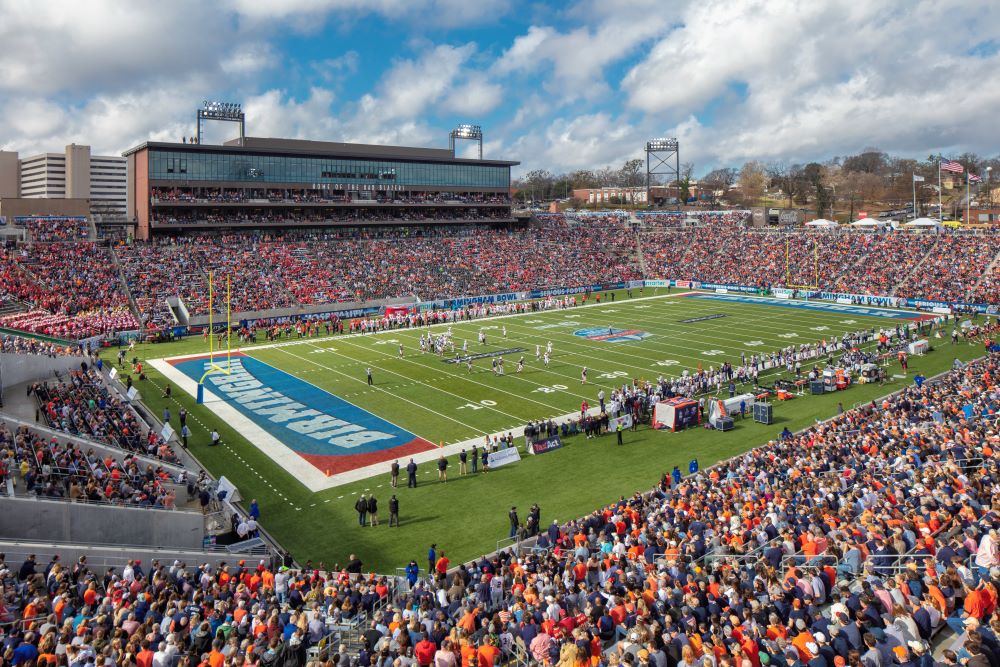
(855, 542)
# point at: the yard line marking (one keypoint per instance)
(395, 396)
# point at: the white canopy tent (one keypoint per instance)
(868, 222)
(924, 222)
(822, 222)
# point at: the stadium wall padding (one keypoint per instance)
(24, 518)
(20, 368)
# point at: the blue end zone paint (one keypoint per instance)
(312, 422)
(802, 305)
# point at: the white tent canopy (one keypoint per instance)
(868, 222)
(821, 222)
(924, 222)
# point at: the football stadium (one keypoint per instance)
(321, 401)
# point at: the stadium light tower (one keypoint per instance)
(225, 111)
(663, 158)
(466, 131)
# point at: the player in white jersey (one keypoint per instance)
(538, 352)
(520, 364)
(505, 331)
(548, 347)
(465, 345)
(545, 359)
(400, 350)
(583, 375)
(468, 363)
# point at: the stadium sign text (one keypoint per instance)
(483, 355)
(244, 389)
(703, 318)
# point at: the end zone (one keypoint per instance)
(318, 437)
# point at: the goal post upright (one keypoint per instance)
(788, 267)
(212, 366)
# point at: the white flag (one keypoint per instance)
(918, 179)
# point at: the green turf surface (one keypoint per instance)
(466, 516)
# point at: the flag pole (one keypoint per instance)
(913, 182)
(940, 206)
(968, 181)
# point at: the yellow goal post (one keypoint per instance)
(212, 366)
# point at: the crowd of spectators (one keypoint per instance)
(320, 196)
(952, 269)
(75, 289)
(81, 404)
(44, 467)
(290, 217)
(852, 543)
(22, 345)
(278, 270)
(47, 229)
(945, 267)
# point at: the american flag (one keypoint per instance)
(951, 165)
(973, 178)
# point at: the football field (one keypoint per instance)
(305, 432)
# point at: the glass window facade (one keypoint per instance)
(273, 169)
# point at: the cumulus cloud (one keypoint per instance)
(475, 98)
(577, 85)
(825, 78)
(432, 13)
(572, 61)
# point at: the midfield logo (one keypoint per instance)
(612, 335)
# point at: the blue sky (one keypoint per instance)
(556, 85)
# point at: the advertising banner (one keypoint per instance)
(546, 445)
(502, 457)
(730, 288)
(625, 420)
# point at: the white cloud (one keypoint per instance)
(304, 13)
(578, 57)
(250, 59)
(824, 78)
(64, 45)
(332, 69)
(475, 98)
(410, 86)
(109, 123)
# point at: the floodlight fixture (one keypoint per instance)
(466, 131)
(662, 144)
(225, 111)
(662, 160)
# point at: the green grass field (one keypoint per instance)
(443, 402)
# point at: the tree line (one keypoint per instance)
(845, 183)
